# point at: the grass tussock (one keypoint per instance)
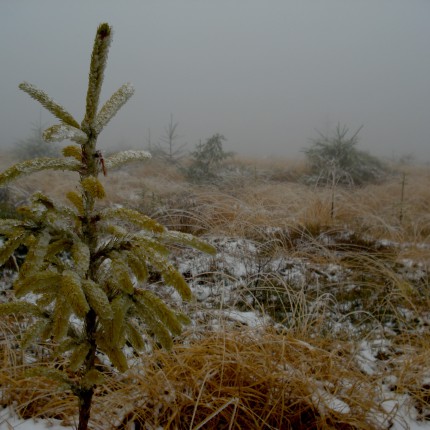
(241, 379)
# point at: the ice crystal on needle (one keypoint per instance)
(124, 157)
(112, 106)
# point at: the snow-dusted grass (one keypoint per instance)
(300, 317)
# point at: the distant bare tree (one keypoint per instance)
(169, 148)
(152, 148)
(148, 140)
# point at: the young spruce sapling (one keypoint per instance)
(86, 262)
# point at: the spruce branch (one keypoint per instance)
(112, 106)
(36, 253)
(98, 300)
(170, 275)
(53, 107)
(186, 239)
(16, 239)
(36, 165)
(134, 335)
(78, 356)
(39, 283)
(93, 187)
(60, 132)
(35, 331)
(73, 151)
(71, 288)
(21, 308)
(159, 309)
(124, 157)
(99, 57)
(60, 318)
(133, 217)
(50, 373)
(154, 325)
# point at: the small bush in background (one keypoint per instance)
(335, 160)
(207, 160)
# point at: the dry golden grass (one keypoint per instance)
(230, 380)
(255, 198)
(263, 380)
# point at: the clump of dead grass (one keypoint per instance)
(247, 380)
(223, 380)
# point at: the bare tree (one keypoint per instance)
(169, 148)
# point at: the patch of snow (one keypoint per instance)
(251, 319)
(324, 400)
(365, 358)
(9, 420)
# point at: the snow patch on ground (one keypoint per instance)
(10, 421)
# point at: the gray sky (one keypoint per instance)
(265, 73)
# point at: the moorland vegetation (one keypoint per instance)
(296, 293)
(313, 313)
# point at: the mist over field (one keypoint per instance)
(222, 282)
(264, 74)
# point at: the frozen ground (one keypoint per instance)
(10, 421)
(232, 285)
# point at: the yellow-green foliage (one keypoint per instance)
(133, 217)
(21, 308)
(120, 279)
(159, 310)
(97, 67)
(61, 317)
(85, 262)
(134, 335)
(71, 288)
(98, 300)
(124, 157)
(137, 265)
(37, 330)
(80, 255)
(37, 248)
(93, 187)
(73, 151)
(49, 104)
(76, 200)
(78, 356)
(112, 106)
(37, 165)
(92, 377)
(15, 237)
(42, 282)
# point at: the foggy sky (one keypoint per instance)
(265, 73)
